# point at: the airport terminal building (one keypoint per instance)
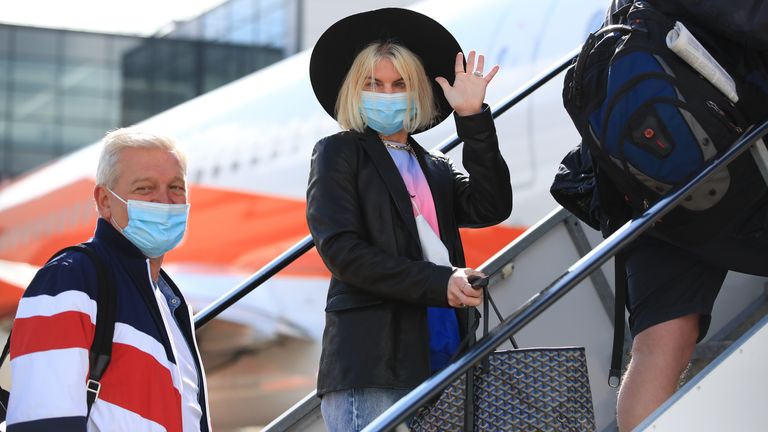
(61, 89)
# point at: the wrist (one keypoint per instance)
(468, 112)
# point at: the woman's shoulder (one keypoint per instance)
(343, 147)
(346, 136)
(70, 270)
(435, 155)
(344, 141)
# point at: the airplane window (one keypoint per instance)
(197, 177)
(254, 160)
(215, 171)
(235, 166)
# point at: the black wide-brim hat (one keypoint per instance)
(337, 48)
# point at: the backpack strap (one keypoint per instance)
(106, 314)
(620, 298)
(4, 394)
(619, 15)
(6, 350)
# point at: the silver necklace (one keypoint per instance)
(397, 146)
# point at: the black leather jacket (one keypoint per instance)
(361, 219)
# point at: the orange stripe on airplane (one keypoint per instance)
(227, 229)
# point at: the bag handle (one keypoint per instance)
(469, 387)
(473, 324)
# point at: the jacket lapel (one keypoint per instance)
(139, 274)
(391, 178)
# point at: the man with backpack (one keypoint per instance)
(103, 339)
(649, 122)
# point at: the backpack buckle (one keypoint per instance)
(93, 387)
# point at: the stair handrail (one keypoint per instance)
(537, 304)
(300, 248)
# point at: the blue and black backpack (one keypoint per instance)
(650, 123)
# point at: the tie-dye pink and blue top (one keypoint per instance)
(443, 326)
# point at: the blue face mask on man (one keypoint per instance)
(154, 228)
(385, 112)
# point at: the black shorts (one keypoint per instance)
(665, 282)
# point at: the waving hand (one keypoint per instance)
(467, 93)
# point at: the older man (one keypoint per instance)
(155, 379)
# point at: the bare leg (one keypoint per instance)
(660, 354)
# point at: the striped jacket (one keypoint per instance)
(53, 331)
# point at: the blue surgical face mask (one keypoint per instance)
(154, 228)
(385, 112)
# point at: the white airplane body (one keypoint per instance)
(249, 145)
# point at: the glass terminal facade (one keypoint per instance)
(61, 90)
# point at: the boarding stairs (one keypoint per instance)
(573, 265)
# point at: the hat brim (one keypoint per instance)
(338, 47)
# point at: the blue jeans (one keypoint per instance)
(352, 410)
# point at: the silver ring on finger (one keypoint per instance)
(477, 74)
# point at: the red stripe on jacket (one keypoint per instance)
(136, 381)
(129, 374)
(71, 329)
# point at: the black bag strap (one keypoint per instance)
(620, 298)
(575, 90)
(106, 314)
(469, 405)
(469, 376)
(472, 324)
(4, 394)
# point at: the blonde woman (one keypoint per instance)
(384, 212)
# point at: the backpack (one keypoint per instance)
(101, 349)
(651, 122)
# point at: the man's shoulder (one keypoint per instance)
(70, 270)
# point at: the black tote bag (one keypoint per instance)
(530, 389)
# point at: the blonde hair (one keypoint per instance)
(420, 95)
(115, 141)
